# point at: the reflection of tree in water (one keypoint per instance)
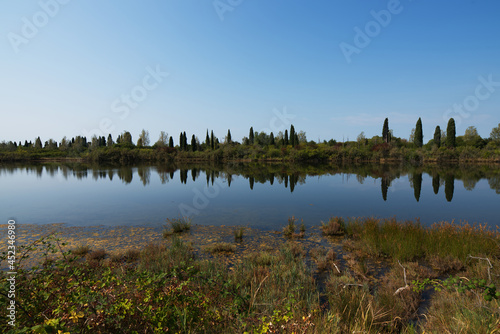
(469, 183)
(183, 175)
(386, 182)
(435, 183)
(144, 174)
(125, 174)
(251, 180)
(494, 183)
(417, 185)
(449, 186)
(271, 178)
(111, 173)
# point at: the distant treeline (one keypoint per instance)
(445, 146)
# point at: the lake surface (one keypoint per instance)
(256, 195)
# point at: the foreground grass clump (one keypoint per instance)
(177, 225)
(407, 241)
(289, 229)
(334, 226)
(221, 247)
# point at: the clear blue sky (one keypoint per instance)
(239, 65)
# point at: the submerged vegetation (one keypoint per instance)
(384, 276)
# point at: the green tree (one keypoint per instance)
(286, 138)
(110, 140)
(212, 140)
(181, 142)
(361, 138)
(419, 136)
(385, 130)
(251, 136)
(495, 134)
(271, 139)
(207, 140)
(472, 137)
(292, 135)
(302, 137)
(126, 138)
(38, 143)
(437, 136)
(412, 136)
(193, 143)
(228, 137)
(162, 139)
(144, 137)
(171, 142)
(451, 134)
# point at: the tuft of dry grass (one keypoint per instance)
(221, 247)
(81, 250)
(334, 227)
(97, 255)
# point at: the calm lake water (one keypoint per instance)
(255, 195)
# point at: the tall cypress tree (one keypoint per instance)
(286, 137)
(207, 140)
(451, 134)
(185, 145)
(193, 143)
(251, 136)
(292, 135)
(212, 141)
(385, 131)
(171, 142)
(38, 143)
(437, 136)
(271, 139)
(229, 140)
(419, 136)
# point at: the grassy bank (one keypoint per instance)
(358, 275)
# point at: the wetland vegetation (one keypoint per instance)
(347, 275)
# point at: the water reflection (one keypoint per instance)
(288, 176)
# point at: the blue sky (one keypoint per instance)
(72, 68)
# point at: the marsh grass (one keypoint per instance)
(159, 258)
(81, 251)
(289, 229)
(177, 225)
(334, 227)
(324, 259)
(171, 285)
(238, 234)
(221, 247)
(409, 240)
(96, 255)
